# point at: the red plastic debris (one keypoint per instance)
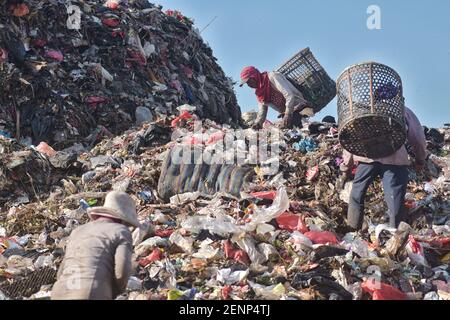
(312, 173)
(185, 116)
(3, 55)
(187, 71)
(55, 54)
(415, 246)
(111, 22)
(226, 292)
(94, 101)
(20, 10)
(382, 291)
(44, 148)
(321, 237)
(216, 136)
(137, 57)
(265, 195)
(40, 43)
(154, 256)
(410, 204)
(112, 4)
(238, 255)
(163, 233)
(193, 141)
(292, 222)
(118, 34)
(176, 14)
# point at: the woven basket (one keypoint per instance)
(308, 76)
(371, 110)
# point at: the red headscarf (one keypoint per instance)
(262, 81)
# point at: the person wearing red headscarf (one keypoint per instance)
(275, 90)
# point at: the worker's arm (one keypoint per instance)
(416, 137)
(348, 162)
(262, 115)
(122, 259)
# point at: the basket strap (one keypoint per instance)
(350, 93)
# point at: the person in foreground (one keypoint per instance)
(98, 259)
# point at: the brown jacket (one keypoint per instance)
(97, 263)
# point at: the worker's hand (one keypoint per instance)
(257, 126)
(287, 121)
(419, 166)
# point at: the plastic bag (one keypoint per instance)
(55, 54)
(299, 240)
(265, 195)
(222, 225)
(415, 252)
(185, 116)
(322, 237)
(184, 243)
(312, 173)
(206, 250)
(382, 291)
(248, 245)
(234, 254)
(185, 197)
(263, 215)
(154, 256)
(274, 292)
(150, 244)
(228, 277)
(292, 222)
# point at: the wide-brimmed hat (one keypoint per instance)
(118, 205)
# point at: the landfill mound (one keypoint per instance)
(284, 238)
(62, 83)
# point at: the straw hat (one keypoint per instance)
(118, 205)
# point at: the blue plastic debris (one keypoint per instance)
(306, 145)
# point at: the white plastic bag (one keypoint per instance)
(226, 276)
(263, 215)
(184, 243)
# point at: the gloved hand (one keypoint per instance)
(287, 121)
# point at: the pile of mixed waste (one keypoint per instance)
(283, 237)
(79, 71)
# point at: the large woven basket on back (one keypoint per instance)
(308, 76)
(371, 110)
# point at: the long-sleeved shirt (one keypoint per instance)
(416, 138)
(294, 98)
(97, 264)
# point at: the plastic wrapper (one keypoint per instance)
(382, 291)
(184, 243)
(228, 277)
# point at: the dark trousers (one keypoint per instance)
(395, 182)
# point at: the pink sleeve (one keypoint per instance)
(416, 136)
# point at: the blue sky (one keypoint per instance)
(414, 40)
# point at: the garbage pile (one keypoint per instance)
(284, 237)
(80, 71)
